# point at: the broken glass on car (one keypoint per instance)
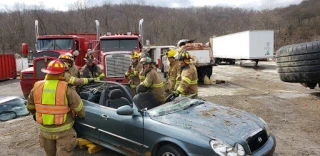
(12, 107)
(176, 105)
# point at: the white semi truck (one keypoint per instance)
(247, 45)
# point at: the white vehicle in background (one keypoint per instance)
(247, 45)
(157, 52)
(202, 57)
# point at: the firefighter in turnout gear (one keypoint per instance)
(188, 78)
(141, 73)
(54, 106)
(72, 72)
(133, 73)
(172, 72)
(91, 70)
(152, 80)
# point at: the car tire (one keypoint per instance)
(171, 150)
(299, 62)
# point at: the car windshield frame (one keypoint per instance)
(176, 105)
(55, 44)
(108, 45)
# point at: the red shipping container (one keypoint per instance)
(8, 67)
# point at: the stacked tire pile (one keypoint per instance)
(300, 63)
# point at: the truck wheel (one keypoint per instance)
(232, 62)
(162, 68)
(201, 74)
(170, 150)
(256, 63)
(209, 71)
(217, 61)
(299, 63)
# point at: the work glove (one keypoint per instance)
(176, 93)
(96, 79)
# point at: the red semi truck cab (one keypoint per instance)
(114, 50)
(50, 47)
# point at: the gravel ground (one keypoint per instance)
(290, 110)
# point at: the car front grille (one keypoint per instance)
(38, 66)
(257, 141)
(117, 65)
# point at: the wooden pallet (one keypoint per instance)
(92, 148)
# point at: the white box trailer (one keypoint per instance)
(157, 52)
(247, 45)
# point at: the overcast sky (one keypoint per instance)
(64, 5)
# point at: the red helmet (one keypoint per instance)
(54, 67)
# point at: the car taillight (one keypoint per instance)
(26, 76)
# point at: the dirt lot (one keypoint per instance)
(291, 111)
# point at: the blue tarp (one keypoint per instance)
(12, 107)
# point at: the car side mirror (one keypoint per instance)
(125, 110)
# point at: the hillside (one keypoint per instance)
(163, 26)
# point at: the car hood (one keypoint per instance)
(215, 121)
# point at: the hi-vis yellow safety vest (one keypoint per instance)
(51, 104)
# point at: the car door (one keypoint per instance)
(124, 132)
(88, 126)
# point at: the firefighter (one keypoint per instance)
(152, 80)
(141, 73)
(133, 73)
(72, 74)
(91, 70)
(144, 98)
(54, 106)
(188, 77)
(172, 72)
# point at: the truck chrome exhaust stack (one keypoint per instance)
(98, 29)
(141, 31)
(36, 28)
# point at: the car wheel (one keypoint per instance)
(299, 62)
(170, 150)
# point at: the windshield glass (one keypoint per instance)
(176, 105)
(123, 44)
(54, 44)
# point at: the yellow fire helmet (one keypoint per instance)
(185, 56)
(66, 59)
(135, 55)
(171, 53)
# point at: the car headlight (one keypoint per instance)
(224, 149)
(265, 126)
